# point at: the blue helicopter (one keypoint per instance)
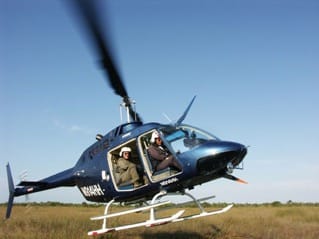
(202, 156)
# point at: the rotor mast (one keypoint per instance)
(126, 106)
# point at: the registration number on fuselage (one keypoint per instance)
(92, 190)
(169, 181)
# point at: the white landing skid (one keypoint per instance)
(153, 221)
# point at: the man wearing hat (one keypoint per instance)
(162, 158)
(126, 168)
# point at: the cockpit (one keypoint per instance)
(176, 140)
(186, 137)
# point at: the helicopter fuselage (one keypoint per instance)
(203, 157)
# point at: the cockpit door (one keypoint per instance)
(153, 174)
(127, 173)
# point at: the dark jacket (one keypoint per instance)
(157, 154)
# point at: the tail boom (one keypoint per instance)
(62, 179)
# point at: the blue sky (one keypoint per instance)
(254, 66)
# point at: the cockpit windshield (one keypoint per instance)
(186, 137)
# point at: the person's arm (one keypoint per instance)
(155, 153)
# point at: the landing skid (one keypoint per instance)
(153, 221)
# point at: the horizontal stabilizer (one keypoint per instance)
(32, 183)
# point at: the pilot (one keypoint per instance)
(126, 168)
(162, 158)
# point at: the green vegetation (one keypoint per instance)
(270, 220)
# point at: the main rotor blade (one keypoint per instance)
(88, 11)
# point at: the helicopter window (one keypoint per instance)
(128, 127)
(178, 134)
(185, 137)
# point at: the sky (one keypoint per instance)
(253, 65)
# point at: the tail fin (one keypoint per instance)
(11, 191)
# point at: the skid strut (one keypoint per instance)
(153, 221)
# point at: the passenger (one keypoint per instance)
(126, 168)
(162, 158)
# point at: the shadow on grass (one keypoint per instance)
(156, 235)
(172, 235)
(214, 232)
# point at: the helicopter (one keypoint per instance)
(203, 157)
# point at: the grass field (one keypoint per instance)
(242, 221)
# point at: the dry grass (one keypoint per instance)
(296, 221)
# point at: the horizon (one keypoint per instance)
(253, 66)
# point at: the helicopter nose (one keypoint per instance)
(221, 156)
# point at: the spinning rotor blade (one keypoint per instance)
(88, 11)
